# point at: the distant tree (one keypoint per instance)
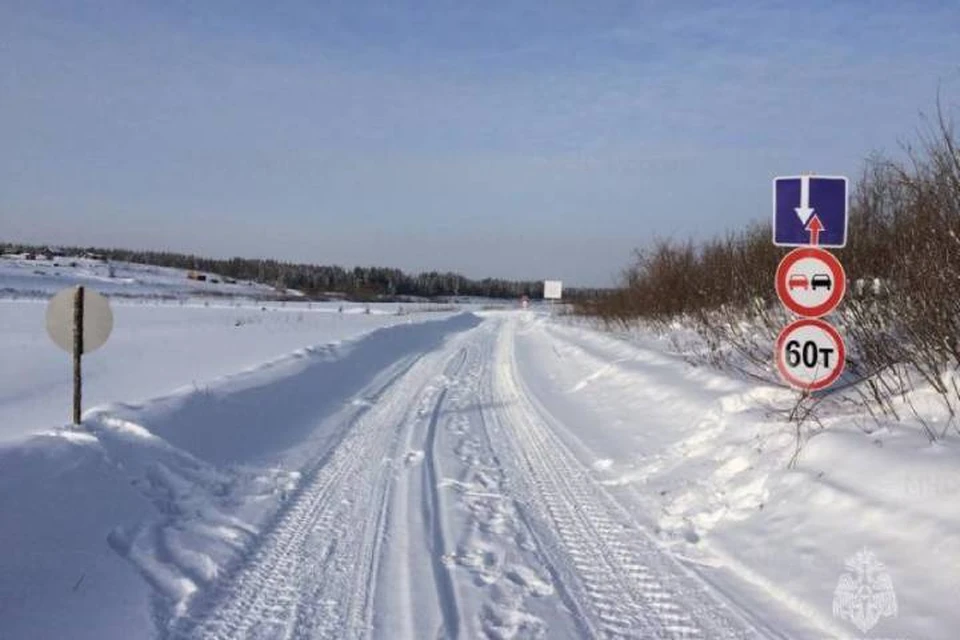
(361, 283)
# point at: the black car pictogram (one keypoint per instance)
(821, 280)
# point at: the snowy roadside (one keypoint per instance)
(109, 528)
(704, 457)
(157, 347)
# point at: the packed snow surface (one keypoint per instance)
(455, 475)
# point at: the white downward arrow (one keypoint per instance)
(804, 211)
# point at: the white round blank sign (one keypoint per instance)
(97, 319)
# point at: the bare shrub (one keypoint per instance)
(902, 315)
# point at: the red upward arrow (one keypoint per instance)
(815, 227)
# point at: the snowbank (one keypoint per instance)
(155, 348)
(107, 530)
(703, 458)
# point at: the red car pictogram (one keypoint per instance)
(798, 281)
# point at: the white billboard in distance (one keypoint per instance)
(552, 289)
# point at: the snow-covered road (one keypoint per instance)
(451, 509)
(479, 475)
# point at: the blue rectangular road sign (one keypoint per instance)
(797, 200)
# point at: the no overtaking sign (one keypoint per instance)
(810, 282)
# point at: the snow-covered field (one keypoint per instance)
(40, 277)
(296, 472)
(169, 332)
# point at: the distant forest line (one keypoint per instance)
(319, 281)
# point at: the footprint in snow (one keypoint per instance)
(527, 579)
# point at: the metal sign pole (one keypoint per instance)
(77, 352)
(79, 321)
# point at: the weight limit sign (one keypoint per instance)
(810, 354)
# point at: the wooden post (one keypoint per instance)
(77, 352)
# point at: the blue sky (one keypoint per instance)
(516, 139)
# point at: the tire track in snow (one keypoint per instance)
(562, 587)
(310, 575)
(260, 597)
(433, 519)
(506, 585)
(626, 584)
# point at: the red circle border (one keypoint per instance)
(839, 278)
(841, 355)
